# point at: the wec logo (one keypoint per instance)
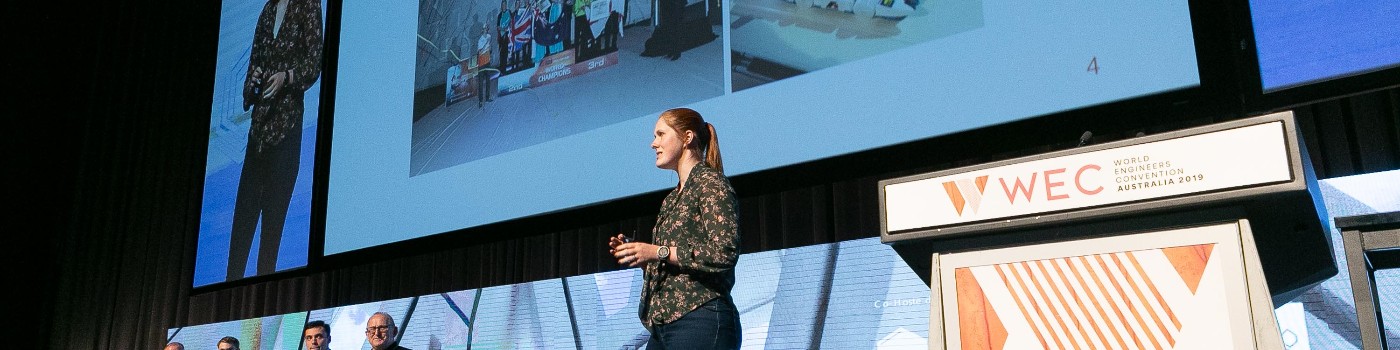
(966, 193)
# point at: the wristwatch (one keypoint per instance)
(663, 253)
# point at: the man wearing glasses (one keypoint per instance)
(381, 333)
(316, 335)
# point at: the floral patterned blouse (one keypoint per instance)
(292, 46)
(701, 224)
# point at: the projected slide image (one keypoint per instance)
(855, 294)
(776, 39)
(272, 332)
(1329, 311)
(255, 217)
(605, 309)
(495, 77)
(848, 295)
(582, 139)
(534, 315)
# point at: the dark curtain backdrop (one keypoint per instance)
(106, 131)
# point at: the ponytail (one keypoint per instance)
(712, 157)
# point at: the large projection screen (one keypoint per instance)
(255, 215)
(568, 107)
(1306, 42)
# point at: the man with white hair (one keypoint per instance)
(381, 332)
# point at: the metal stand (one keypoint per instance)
(1370, 243)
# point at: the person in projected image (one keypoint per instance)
(689, 266)
(674, 34)
(381, 332)
(483, 67)
(285, 61)
(316, 335)
(503, 21)
(228, 343)
(174, 346)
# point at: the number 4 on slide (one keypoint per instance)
(1093, 65)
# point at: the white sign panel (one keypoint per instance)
(1244, 156)
(1173, 289)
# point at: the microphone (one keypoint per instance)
(1084, 139)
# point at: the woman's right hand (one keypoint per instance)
(252, 88)
(615, 241)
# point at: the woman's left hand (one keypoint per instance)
(635, 254)
(273, 84)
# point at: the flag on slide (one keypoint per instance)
(522, 31)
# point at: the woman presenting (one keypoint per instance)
(689, 270)
(284, 62)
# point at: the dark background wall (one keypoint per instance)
(105, 121)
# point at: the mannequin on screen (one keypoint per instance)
(285, 61)
(689, 265)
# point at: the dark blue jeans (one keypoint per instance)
(713, 325)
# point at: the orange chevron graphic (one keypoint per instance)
(1190, 262)
(966, 191)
